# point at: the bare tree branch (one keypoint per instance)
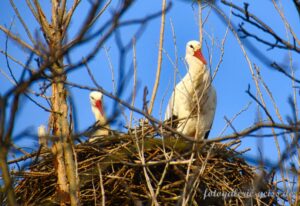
(159, 60)
(252, 19)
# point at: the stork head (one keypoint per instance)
(97, 104)
(193, 52)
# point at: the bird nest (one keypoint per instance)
(138, 169)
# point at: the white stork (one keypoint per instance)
(96, 99)
(42, 135)
(193, 101)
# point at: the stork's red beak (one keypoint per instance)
(99, 106)
(198, 54)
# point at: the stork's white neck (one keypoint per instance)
(98, 116)
(196, 67)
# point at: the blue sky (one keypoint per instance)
(231, 82)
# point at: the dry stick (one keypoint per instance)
(286, 23)
(175, 47)
(134, 80)
(262, 105)
(200, 25)
(184, 193)
(7, 77)
(75, 174)
(234, 117)
(30, 6)
(62, 10)
(25, 157)
(101, 185)
(22, 21)
(196, 182)
(175, 66)
(142, 158)
(254, 128)
(90, 72)
(54, 12)
(158, 70)
(94, 191)
(15, 82)
(222, 54)
(283, 71)
(68, 16)
(100, 13)
(6, 57)
(19, 41)
(269, 93)
(5, 53)
(229, 123)
(111, 67)
(43, 22)
(159, 184)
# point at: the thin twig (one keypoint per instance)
(159, 58)
(101, 185)
(22, 21)
(259, 103)
(134, 79)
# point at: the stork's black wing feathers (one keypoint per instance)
(173, 121)
(206, 134)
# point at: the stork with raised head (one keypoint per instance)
(96, 99)
(193, 102)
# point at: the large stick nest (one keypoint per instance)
(129, 169)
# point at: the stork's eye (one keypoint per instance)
(192, 46)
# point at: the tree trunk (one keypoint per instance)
(62, 148)
(60, 130)
(6, 178)
(63, 145)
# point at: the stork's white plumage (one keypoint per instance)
(42, 135)
(96, 99)
(193, 101)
